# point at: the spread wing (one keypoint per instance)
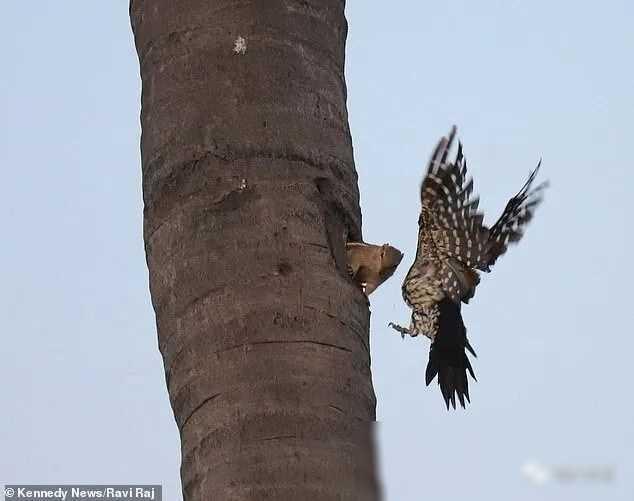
(454, 224)
(518, 212)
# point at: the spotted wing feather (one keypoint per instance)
(518, 212)
(455, 225)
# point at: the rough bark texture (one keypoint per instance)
(250, 194)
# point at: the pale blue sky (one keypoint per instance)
(83, 394)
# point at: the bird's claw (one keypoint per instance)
(401, 330)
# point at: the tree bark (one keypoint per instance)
(250, 195)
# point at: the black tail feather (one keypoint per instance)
(448, 357)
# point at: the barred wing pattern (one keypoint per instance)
(455, 225)
(453, 244)
(518, 212)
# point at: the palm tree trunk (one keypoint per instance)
(250, 194)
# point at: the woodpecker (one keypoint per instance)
(453, 245)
